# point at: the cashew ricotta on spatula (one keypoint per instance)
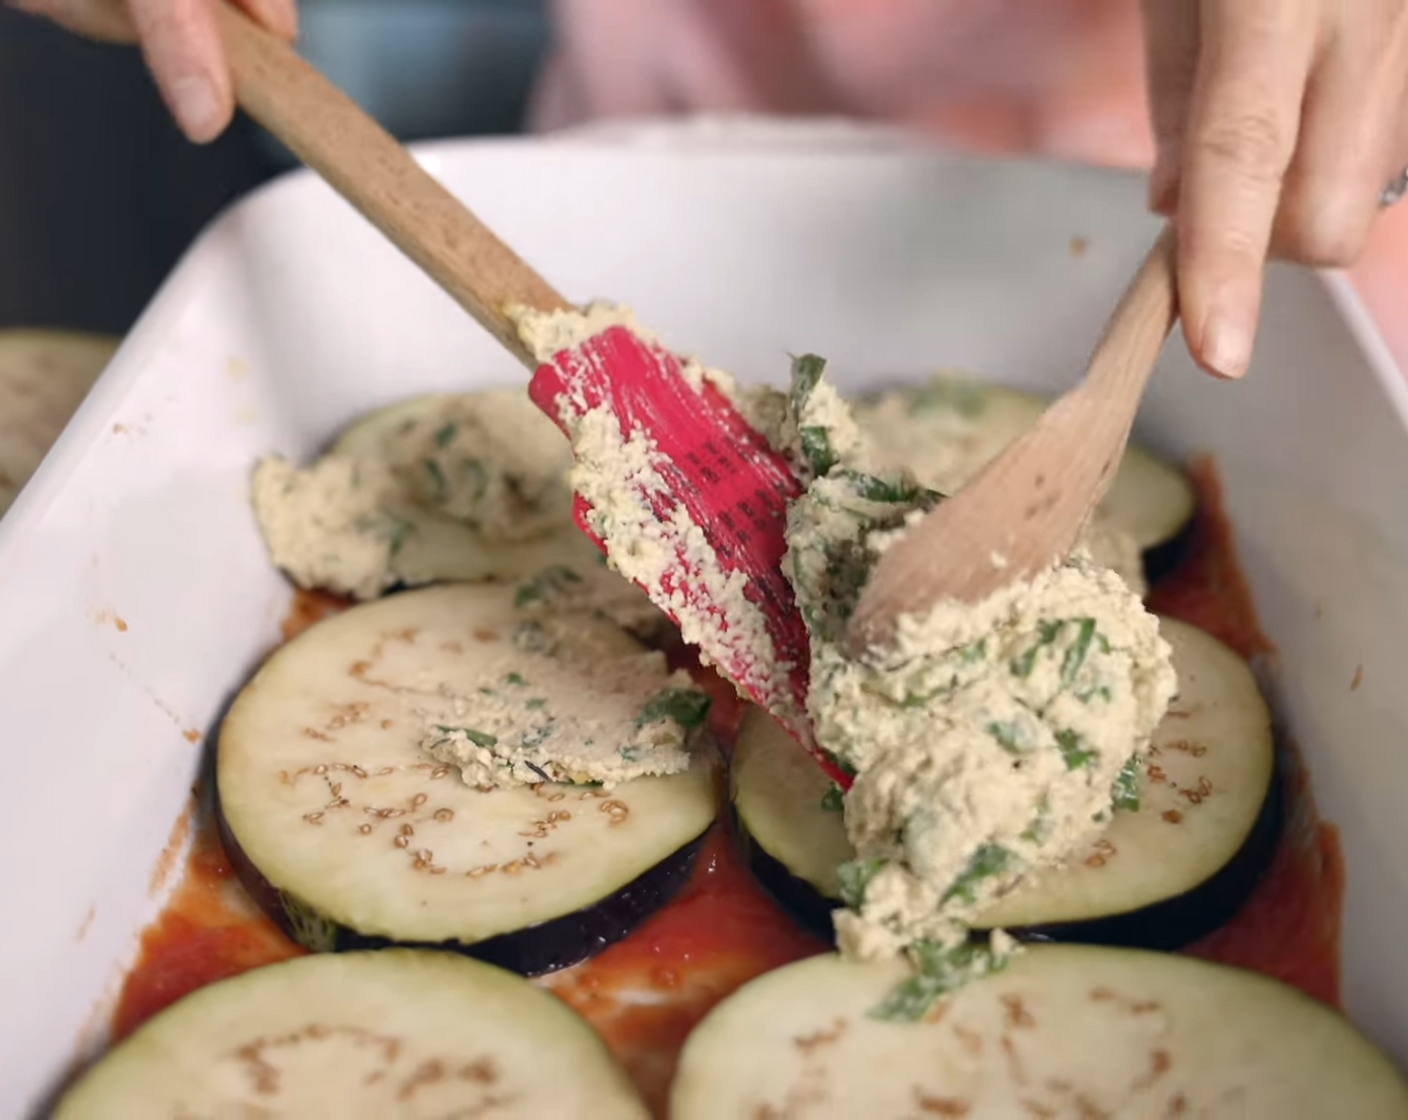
(987, 744)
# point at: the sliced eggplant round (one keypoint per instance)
(44, 376)
(1064, 1030)
(402, 1033)
(342, 796)
(1160, 876)
(948, 428)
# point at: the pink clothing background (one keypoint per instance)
(1062, 78)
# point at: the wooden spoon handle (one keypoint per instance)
(1124, 357)
(376, 174)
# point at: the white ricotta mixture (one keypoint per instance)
(988, 743)
(950, 428)
(331, 525)
(561, 704)
(467, 486)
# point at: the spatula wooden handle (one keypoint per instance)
(366, 165)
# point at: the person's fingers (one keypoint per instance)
(107, 20)
(1171, 62)
(1242, 127)
(279, 16)
(181, 43)
(1351, 141)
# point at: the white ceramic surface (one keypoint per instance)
(291, 316)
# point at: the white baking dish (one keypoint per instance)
(291, 316)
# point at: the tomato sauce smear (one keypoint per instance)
(646, 993)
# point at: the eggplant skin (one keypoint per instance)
(1168, 925)
(533, 951)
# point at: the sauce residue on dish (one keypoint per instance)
(1290, 926)
(645, 993)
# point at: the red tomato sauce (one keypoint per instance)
(723, 929)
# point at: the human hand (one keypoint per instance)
(181, 44)
(1278, 123)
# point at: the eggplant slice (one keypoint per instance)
(1064, 1030)
(351, 835)
(1160, 876)
(946, 429)
(401, 1033)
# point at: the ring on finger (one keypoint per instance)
(1397, 187)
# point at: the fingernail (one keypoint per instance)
(196, 107)
(1227, 344)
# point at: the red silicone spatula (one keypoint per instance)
(733, 487)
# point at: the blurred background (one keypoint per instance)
(100, 195)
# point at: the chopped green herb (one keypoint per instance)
(888, 491)
(817, 449)
(1047, 633)
(1126, 788)
(954, 394)
(628, 753)
(478, 476)
(854, 876)
(485, 691)
(438, 479)
(547, 583)
(478, 738)
(938, 971)
(974, 653)
(446, 435)
(1077, 651)
(532, 637)
(516, 678)
(536, 704)
(1075, 750)
(685, 706)
(987, 861)
(1010, 736)
(537, 736)
(1102, 691)
(833, 800)
(807, 370)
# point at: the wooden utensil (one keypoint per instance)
(723, 473)
(1023, 511)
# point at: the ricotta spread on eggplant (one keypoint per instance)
(989, 742)
(560, 706)
(406, 489)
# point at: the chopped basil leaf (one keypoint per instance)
(547, 583)
(833, 800)
(852, 878)
(974, 653)
(807, 370)
(1047, 633)
(817, 449)
(446, 435)
(1077, 651)
(536, 704)
(685, 706)
(1075, 750)
(478, 738)
(938, 971)
(987, 861)
(1126, 788)
(537, 736)
(1010, 736)
(516, 678)
(437, 477)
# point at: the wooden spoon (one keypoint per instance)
(715, 468)
(1023, 512)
